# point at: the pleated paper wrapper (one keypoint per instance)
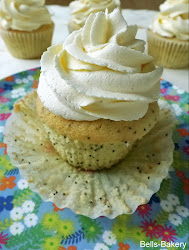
(168, 52)
(28, 45)
(112, 192)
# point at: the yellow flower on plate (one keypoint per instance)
(52, 243)
(120, 231)
(65, 228)
(50, 221)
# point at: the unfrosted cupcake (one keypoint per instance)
(168, 37)
(98, 92)
(26, 27)
(81, 9)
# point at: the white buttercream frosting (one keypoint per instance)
(24, 15)
(81, 9)
(173, 19)
(101, 71)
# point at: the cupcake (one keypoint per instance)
(98, 94)
(168, 37)
(96, 140)
(26, 27)
(81, 9)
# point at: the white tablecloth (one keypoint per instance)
(60, 15)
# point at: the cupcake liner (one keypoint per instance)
(168, 52)
(88, 156)
(112, 192)
(28, 45)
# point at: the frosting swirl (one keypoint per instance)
(101, 71)
(81, 9)
(173, 19)
(24, 15)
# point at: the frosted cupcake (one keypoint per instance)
(81, 9)
(97, 97)
(168, 37)
(98, 92)
(26, 27)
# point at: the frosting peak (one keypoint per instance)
(81, 9)
(173, 19)
(24, 15)
(101, 71)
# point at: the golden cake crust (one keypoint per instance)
(102, 130)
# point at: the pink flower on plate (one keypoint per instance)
(4, 116)
(167, 233)
(185, 180)
(168, 97)
(2, 90)
(176, 98)
(186, 150)
(3, 239)
(144, 210)
(150, 228)
(4, 99)
(180, 173)
(32, 69)
(163, 91)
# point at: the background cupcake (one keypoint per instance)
(81, 9)
(26, 27)
(168, 37)
(98, 93)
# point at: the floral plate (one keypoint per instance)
(26, 222)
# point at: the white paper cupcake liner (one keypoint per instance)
(112, 192)
(168, 52)
(88, 156)
(28, 45)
